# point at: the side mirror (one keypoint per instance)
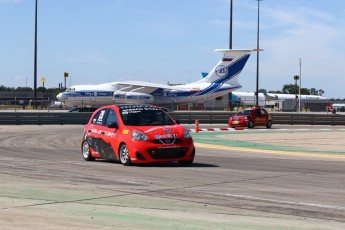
(112, 125)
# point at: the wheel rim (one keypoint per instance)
(124, 154)
(269, 125)
(251, 124)
(86, 150)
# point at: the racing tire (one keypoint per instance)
(251, 124)
(85, 151)
(269, 124)
(186, 163)
(124, 155)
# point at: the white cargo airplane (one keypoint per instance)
(221, 80)
(248, 98)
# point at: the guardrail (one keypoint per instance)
(43, 118)
(62, 118)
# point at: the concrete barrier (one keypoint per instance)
(53, 118)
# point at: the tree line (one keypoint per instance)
(294, 89)
(28, 89)
(287, 89)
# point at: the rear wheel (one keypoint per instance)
(251, 124)
(269, 124)
(124, 155)
(85, 151)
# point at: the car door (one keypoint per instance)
(110, 135)
(257, 117)
(264, 116)
(94, 131)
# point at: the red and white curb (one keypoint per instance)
(216, 129)
(245, 129)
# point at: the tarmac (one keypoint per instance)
(319, 141)
(287, 177)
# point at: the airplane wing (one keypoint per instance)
(143, 87)
(270, 97)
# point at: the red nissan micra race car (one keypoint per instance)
(136, 134)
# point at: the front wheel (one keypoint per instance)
(251, 124)
(269, 124)
(124, 155)
(85, 151)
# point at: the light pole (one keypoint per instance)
(257, 59)
(230, 102)
(300, 86)
(230, 35)
(35, 61)
(296, 78)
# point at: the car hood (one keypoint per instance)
(239, 116)
(159, 130)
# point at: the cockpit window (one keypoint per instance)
(145, 116)
(70, 89)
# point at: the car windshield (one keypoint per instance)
(145, 116)
(244, 112)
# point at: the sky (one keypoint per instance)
(172, 41)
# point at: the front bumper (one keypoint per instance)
(240, 123)
(148, 152)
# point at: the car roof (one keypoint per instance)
(254, 108)
(129, 106)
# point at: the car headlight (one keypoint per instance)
(186, 133)
(139, 136)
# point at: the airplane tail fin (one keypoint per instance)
(228, 68)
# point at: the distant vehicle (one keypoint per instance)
(83, 109)
(340, 107)
(56, 105)
(136, 134)
(221, 80)
(251, 118)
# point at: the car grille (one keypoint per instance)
(167, 141)
(167, 153)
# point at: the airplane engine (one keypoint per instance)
(132, 97)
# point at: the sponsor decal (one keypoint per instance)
(158, 128)
(105, 133)
(167, 135)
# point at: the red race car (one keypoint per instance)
(136, 134)
(250, 118)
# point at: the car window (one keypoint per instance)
(263, 112)
(145, 116)
(99, 117)
(245, 112)
(111, 118)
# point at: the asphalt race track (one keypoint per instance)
(255, 179)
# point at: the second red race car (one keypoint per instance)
(136, 134)
(250, 118)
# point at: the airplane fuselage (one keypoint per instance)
(107, 94)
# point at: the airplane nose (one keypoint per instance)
(59, 96)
